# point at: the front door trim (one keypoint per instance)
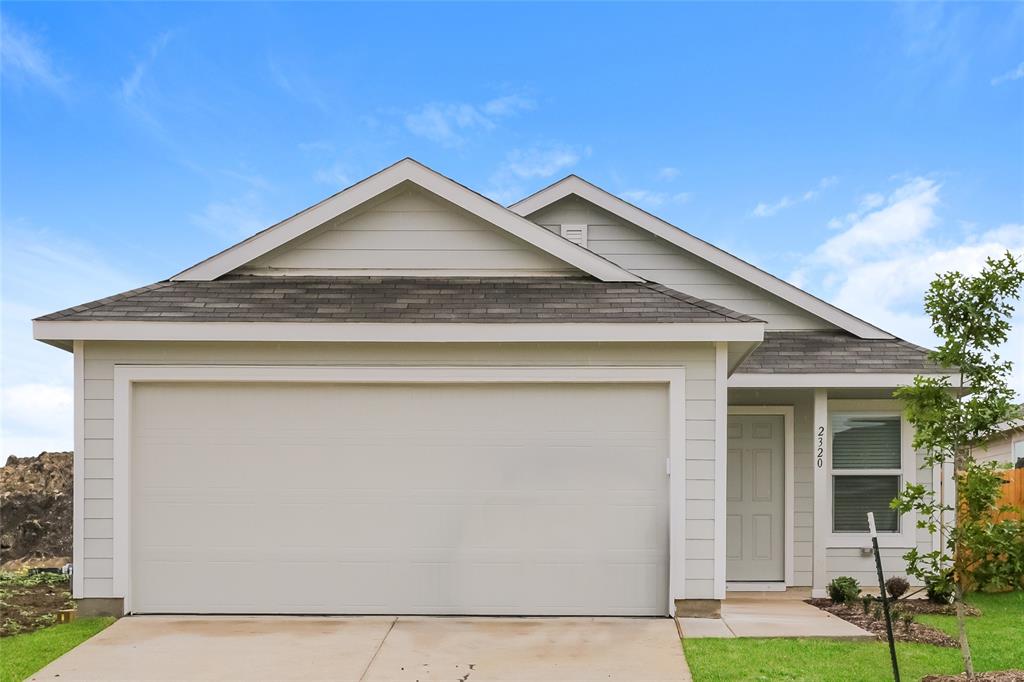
(788, 473)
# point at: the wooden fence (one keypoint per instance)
(1013, 493)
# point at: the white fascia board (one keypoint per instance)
(700, 248)
(406, 170)
(826, 380)
(89, 330)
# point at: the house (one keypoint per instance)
(410, 399)
(1007, 446)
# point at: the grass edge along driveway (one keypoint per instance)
(996, 642)
(23, 655)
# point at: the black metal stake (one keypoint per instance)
(885, 598)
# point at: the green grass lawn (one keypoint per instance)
(997, 637)
(997, 643)
(22, 655)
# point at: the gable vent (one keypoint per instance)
(577, 234)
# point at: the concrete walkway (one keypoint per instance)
(368, 648)
(757, 616)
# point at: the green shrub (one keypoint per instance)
(843, 589)
(939, 589)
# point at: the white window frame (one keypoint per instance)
(905, 537)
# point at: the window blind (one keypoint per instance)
(854, 496)
(861, 442)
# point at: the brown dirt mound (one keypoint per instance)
(901, 630)
(994, 676)
(35, 507)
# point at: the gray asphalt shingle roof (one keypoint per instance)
(824, 352)
(401, 299)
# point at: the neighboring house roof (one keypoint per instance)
(407, 171)
(827, 352)
(684, 240)
(400, 299)
(1013, 424)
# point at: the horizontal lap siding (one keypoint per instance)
(648, 256)
(411, 233)
(101, 357)
(839, 560)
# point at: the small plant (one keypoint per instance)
(878, 613)
(843, 589)
(908, 620)
(939, 590)
(865, 602)
(896, 586)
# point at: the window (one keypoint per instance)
(867, 471)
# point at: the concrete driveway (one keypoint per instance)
(376, 648)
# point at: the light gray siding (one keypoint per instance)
(698, 359)
(1001, 448)
(641, 252)
(839, 560)
(412, 233)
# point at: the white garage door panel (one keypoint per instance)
(368, 498)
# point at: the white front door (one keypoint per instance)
(755, 509)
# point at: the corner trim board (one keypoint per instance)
(78, 476)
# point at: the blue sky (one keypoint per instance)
(854, 149)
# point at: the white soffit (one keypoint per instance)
(405, 171)
(684, 240)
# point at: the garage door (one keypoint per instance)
(383, 498)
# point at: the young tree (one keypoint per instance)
(971, 317)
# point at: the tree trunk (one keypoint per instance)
(961, 624)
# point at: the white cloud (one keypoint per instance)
(233, 219)
(882, 263)
(43, 272)
(22, 57)
(508, 105)
(765, 210)
(668, 173)
(448, 123)
(38, 407)
(538, 162)
(1011, 75)
(131, 85)
(335, 176)
(646, 197)
(908, 213)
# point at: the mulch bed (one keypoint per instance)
(994, 676)
(916, 632)
(31, 602)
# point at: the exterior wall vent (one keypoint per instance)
(577, 234)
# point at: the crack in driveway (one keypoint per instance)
(379, 647)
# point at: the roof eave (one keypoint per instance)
(56, 332)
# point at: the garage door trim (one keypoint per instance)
(125, 376)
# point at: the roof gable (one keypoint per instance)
(404, 174)
(574, 185)
(408, 232)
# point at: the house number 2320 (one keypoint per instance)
(820, 450)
